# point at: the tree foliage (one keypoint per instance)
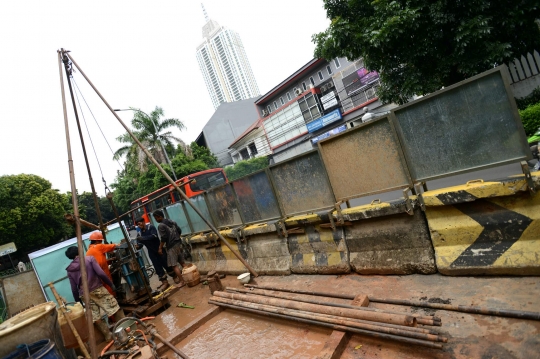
(31, 212)
(243, 168)
(150, 131)
(531, 118)
(419, 46)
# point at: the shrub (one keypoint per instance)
(531, 118)
(531, 99)
(243, 168)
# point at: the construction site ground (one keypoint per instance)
(236, 334)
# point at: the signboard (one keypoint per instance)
(359, 79)
(329, 100)
(7, 248)
(332, 132)
(323, 121)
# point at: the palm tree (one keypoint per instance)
(150, 130)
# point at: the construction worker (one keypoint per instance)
(97, 250)
(148, 236)
(169, 233)
(100, 298)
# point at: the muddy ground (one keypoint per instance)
(234, 334)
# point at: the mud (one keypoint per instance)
(233, 334)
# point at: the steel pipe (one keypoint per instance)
(337, 327)
(78, 232)
(403, 331)
(267, 293)
(400, 319)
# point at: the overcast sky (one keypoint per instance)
(138, 54)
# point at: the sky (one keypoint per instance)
(138, 54)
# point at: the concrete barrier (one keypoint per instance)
(389, 241)
(486, 228)
(319, 251)
(258, 244)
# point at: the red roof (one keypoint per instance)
(254, 126)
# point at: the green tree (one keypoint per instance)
(243, 168)
(419, 46)
(31, 212)
(151, 131)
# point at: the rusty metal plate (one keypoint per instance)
(302, 184)
(222, 203)
(256, 198)
(365, 160)
(465, 127)
(177, 214)
(196, 221)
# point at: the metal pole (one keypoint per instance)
(84, 278)
(419, 319)
(396, 330)
(165, 174)
(94, 195)
(341, 328)
(457, 308)
(399, 319)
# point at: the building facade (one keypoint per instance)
(224, 65)
(228, 122)
(319, 100)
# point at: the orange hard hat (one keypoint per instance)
(96, 236)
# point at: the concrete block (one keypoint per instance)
(319, 251)
(495, 236)
(266, 253)
(394, 244)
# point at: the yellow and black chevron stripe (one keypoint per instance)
(499, 235)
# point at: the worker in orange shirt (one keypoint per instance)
(97, 250)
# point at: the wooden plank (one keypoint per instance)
(189, 328)
(337, 342)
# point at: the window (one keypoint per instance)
(312, 81)
(285, 125)
(281, 100)
(336, 62)
(321, 77)
(304, 84)
(244, 153)
(252, 149)
(289, 96)
(329, 69)
(275, 105)
(269, 108)
(207, 181)
(308, 107)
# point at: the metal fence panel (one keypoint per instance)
(465, 127)
(177, 214)
(222, 203)
(302, 184)
(196, 221)
(256, 198)
(365, 160)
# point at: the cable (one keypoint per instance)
(105, 138)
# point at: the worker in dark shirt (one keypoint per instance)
(148, 236)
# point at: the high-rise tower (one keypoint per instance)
(224, 64)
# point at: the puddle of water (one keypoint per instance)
(168, 321)
(240, 335)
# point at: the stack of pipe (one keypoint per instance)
(401, 327)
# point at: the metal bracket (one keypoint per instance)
(239, 234)
(337, 206)
(417, 189)
(281, 229)
(408, 203)
(528, 177)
